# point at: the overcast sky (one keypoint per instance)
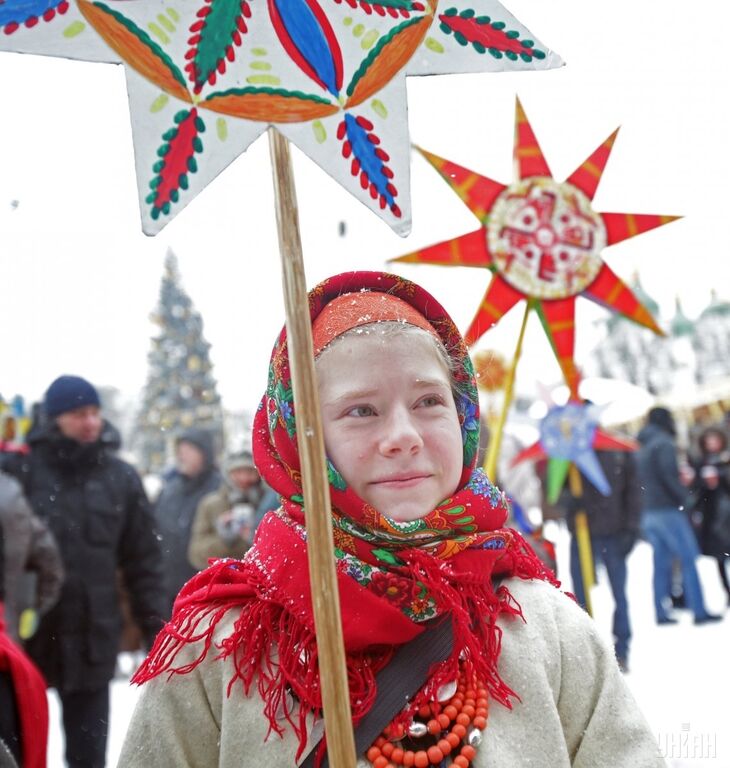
(79, 279)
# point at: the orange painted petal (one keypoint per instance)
(604, 441)
(609, 290)
(498, 300)
(558, 319)
(531, 453)
(277, 107)
(587, 176)
(528, 157)
(622, 226)
(478, 192)
(136, 48)
(465, 251)
(386, 59)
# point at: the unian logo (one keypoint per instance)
(687, 744)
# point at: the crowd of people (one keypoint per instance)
(80, 541)
(679, 504)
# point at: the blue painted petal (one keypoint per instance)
(364, 150)
(312, 41)
(19, 11)
(588, 464)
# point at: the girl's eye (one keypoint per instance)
(361, 411)
(429, 401)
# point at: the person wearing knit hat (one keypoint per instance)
(226, 520)
(522, 676)
(67, 393)
(96, 508)
(74, 405)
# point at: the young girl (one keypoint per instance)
(233, 679)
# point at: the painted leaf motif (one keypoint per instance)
(275, 104)
(307, 36)
(13, 13)
(177, 160)
(487, 35)
(136, 47)
(215, 35)
(391, 53)
(393, 8)
(368, 160)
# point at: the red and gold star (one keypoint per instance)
(542, 240)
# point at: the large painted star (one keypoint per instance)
(542, 241)
(570, 434)
(207, 77)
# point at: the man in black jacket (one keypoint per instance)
(95, 506)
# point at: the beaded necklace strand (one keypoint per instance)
(454, 725)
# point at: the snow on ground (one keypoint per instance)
(679, 674)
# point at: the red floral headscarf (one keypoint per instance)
(392, 576)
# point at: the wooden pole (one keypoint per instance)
(583, 537)
(310, 439)
(495, 440)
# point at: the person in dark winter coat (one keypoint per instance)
(30, 551)
(96, 508)
(23, 701)
(711, 508)
(664, 521)
(195, 476)
(614, 525)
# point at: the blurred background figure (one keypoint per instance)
(33, 570)
(195, 476)
(23, 703)
(226, 520)
(710, 512)
(95, 507)
(664, 521)
(614, 525)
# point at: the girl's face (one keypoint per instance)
(390, 423)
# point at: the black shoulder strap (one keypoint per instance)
(398, 682)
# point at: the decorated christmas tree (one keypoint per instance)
(180, 390)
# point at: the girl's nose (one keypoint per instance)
(400, 433)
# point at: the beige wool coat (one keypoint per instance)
(204, 539)
(574, 709)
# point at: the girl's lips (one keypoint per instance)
(400, 482)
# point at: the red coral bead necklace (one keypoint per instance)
(454, 727)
